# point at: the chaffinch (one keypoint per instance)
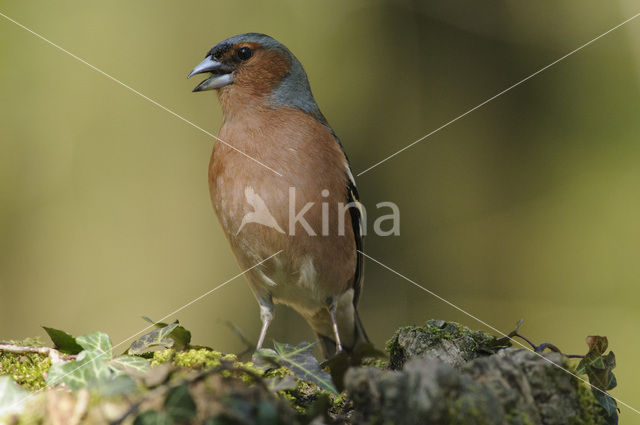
(297, 195)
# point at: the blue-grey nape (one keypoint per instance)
(294, 91)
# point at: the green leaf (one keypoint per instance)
(94, 368)
(599, 369)
(180, 335)
(12, 397)
(97, 341)
(63, 341)
(89, 366)
(609, 405)
(301, 362)
(157, 338)
(151, 417)
(180, 405)
(597, 366)
(129, 364)
(181, 338)
(148, 319)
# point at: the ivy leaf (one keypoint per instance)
(12, 397)
(157, 338)
(180, 335)
(597, 366)
(181, 338)
(94, 368)
(609, 405)
(130, 364)
(597, 344)
(148, 319)
(179, 404)
(151, 417)
(63, 341)
(97, 341)
(599, 369)
(88, 367)
(301, 362)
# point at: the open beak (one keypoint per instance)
(221, 74)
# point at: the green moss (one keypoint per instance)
(280, 372)
(204, 358)
(199, 358)
(303, 397)
(26, 369)
(589, 409)
(518, 417)
(338, 402)
(465, 410)
(438, 330)
(292, 400)
(160, 357)
(411, 341)
(392, 344)
(375, 362)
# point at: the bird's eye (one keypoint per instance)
(244, 53)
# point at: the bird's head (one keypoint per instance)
(259, 66)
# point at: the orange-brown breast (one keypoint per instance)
(310, 160)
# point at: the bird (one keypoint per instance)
(280, 182)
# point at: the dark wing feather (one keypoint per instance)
(356, 222)
(358, 233)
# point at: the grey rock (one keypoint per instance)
(446, 374)
(445, 341)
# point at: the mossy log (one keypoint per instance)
(439, 373)
(443, 373)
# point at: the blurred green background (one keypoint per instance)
(526, 208)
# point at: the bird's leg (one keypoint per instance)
(333, 306)
(266, 315)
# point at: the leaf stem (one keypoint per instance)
(54, 355)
